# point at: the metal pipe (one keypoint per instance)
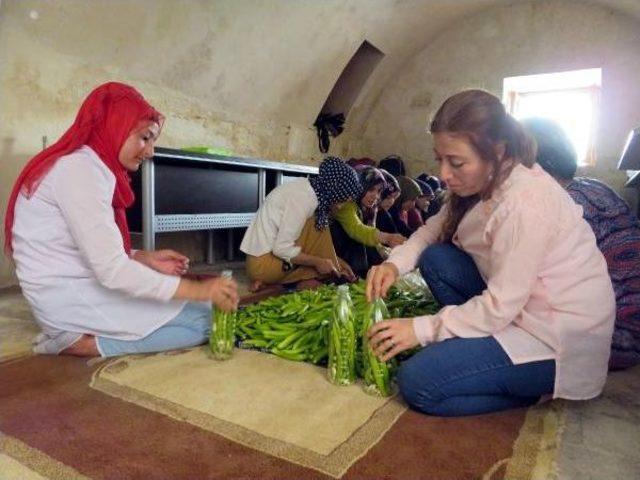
(262, 186)
(210, 255)
(148, 205)
(230, 250)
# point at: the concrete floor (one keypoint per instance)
(600, 440)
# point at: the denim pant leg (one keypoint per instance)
(189, 328)
(470, 376)
(451, 274)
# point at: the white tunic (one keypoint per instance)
(71, 262)
(279, 222)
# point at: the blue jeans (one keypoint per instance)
(466, 376)
(189, 328)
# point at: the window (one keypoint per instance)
(569, 98)
(352, 79)
(345, 92)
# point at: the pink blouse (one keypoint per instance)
(548, 293)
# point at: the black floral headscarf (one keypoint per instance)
(336, 182)
(369, 178)
(392, 185)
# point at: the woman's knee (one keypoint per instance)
(416, 387)
(439, 257)
(451, 274)
(423, 379)
(266, 268)
(197, 317)
(431, 260)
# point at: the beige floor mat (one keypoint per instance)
(287, 409)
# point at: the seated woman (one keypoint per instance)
(289, 240)
(390, 193)
(409, 192)
(67, 231)
(431, 180)
(616, 229)
(353, 238)
(529, 307)
(438, 194)
(418, 215)
(361, 162)
(394, 165)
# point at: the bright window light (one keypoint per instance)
(568, 98)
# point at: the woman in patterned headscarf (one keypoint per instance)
(418, 215)
(355, 236)
(289, 239)
(409, 192)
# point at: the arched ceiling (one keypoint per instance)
(251, 60)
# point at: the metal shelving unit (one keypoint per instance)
(248, 183)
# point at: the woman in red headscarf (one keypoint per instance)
(67, 232)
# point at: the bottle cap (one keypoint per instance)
(227, 274)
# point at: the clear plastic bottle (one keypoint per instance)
(341, 369)
(223, 330)
(378, 375)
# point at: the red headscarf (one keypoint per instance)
(105, 120)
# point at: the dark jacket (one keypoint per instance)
(384, 222)
(401, 225)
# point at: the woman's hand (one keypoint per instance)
(379, 279)
(391, 239)
(390, 337)
(326, 266)
(346, 271)
(223, 293)
(167, 261)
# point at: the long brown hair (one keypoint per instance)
(482, 120)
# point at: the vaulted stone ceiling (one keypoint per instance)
(272, 60)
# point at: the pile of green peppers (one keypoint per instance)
(296, 326)
(293, 326)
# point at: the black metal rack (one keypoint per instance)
(185, 191)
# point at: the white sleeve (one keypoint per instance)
(83, 193)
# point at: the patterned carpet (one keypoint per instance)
(166, 416)
(55, 425)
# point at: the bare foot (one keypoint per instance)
(256, 285)
(84, 347)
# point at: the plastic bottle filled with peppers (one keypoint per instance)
(342, 340)
(223, 330)
(378, 375)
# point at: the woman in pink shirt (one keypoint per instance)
(529, 306)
